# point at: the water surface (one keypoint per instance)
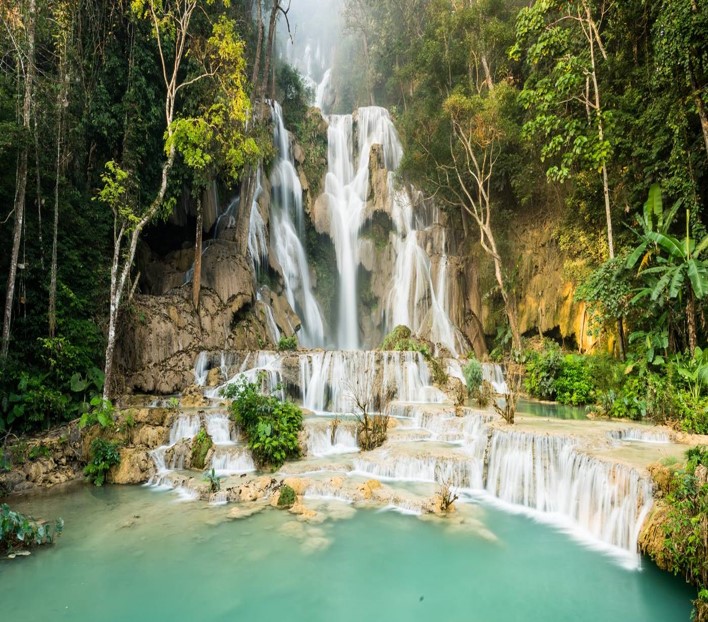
(137, 554)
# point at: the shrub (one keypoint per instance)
(542, 369)
(214, 481)
(473, 376)
(20, 531)
(270, 424)
(287, 497)
(104, 455)
(287, 343)
(574, 383)
(100, 413)
(686, 529)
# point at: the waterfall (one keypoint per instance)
(321, 442)
(640, 436)
(184, 427)
(264, 367)
(546, 473)
(219, 428)
(494, 375)
(329, 380)
(201, 369)
(287, 226)
(232, 460)
(257, 238)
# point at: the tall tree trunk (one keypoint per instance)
(197, 276)
(691, 320)
(21, 182)
(509, 306)
(38, 183)
(61, 104)
(259, 49)
(605, 177)
(269, 47)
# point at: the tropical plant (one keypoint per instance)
(680, 270)
(104, 455)
(270, 424)
(100, 413)
(214, 480)
(20, 531)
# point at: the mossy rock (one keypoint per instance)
(201, 445)
(287, 497)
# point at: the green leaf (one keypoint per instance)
(698, 275)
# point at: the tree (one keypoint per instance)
(479, 131)
(21, 27)
(563, 43)
(219, 124)
(681, 266)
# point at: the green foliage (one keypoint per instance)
(287, 343)
(39, 451)
(214, 481)
(18, 531)
(287, 497)
(173, 404)
(293, 95)
(400, 339)
(201, 444)
(686, 527)
(542, 369)
(271, 425)
(473, 375)
(574, 384)
(101, 412)
(607, 291)
(311, 134)
(103, 455)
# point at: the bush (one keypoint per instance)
(104, 455)
(270, 424)
(287, 497)
(686, 530)
(473, 376)
(201, 445)
(20, 531)
(574, 383)
(214, 481)
(100, 413)
(542, 369)
(287, 344)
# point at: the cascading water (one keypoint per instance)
(547, 474)
(286, 230)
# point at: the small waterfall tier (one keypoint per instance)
(328, 381)
(548, 474)
(640, 435)
(329, 437)
(334, 381)
(229, 455)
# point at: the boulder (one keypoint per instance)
(135, 467)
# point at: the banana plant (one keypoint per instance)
(681, 267)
